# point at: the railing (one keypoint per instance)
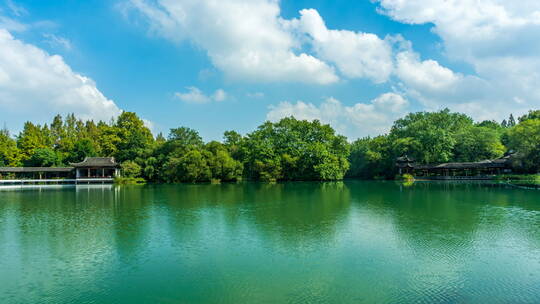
(56, 181)
(478, 177)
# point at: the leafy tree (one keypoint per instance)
(134, 137)
(511, 121)
(58, 132)
(151, 169)
(289, 149)
(478, 143)
(9, 153)
(235, 144)
(84, 147)
(30, 139)
(524, 138)
(107, 140)
(131, 169)
(491, 124)
(427, 137)
(43, 157)
(293, 149)
(374, 157)
(160, 139)
(191, 167)
(222, 165)
(183, 139)
(267, 170)
(533, 114)
(432, 135)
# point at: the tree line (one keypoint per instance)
(444, 136)
(287, 150)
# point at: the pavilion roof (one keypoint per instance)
(404, 159)
(90, 162)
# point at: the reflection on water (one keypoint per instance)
(345, 242)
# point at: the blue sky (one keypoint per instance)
(232, 64)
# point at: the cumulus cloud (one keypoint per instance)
(498, 38)
(357, 55)
(426, 75)
(250, 41)
(361, 119)
(195, 95)
(36, 85)
(246, 40)
(472, 28)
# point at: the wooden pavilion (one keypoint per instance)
(456, 170)
(96, 167)
(90, 170)
(35, 172)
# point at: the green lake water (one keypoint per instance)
(346, 242)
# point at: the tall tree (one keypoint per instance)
(9, 153)
(43, 157)
(294, 149)
(524, 139)
(431, 135)
(135, 139)
(30, 139)
(511, 121)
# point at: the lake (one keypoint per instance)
(343, 242)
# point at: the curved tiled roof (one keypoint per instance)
(501, 163)
(96, 162)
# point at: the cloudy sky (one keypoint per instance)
(216, 65)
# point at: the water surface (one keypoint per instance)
(349, 242)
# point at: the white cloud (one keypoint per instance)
(57, 41)
(36, 85)
(247, 40)
(357, 55)
(498, 38)
(12, 25)
(250, 41)
(361, 119)
(195, 95)
(427, 75)
(475, 28)
(16, 9)
(219, 95)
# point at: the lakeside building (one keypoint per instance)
(485, 169)
(96, 167)
(90, 170)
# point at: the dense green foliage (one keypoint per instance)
(294, 150)
(435, 137)
(287, 150)
(9, 153)
(290, 149)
